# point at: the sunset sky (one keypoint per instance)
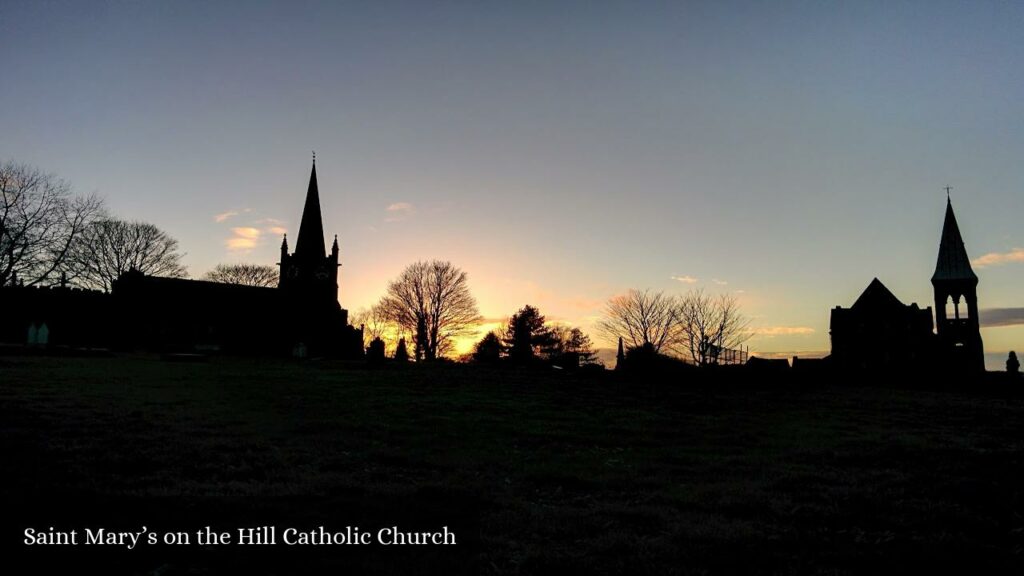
(559, 152)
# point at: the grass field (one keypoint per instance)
(535, 473)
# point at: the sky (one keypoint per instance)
(558, 152)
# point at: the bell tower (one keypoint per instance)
(309, 275)
(956, 301)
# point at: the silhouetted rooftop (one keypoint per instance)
(877, 297)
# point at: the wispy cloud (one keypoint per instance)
(271, 226)
(995, 317)
(495, 320)
(243, 238)
(398, 211)
(223, 216)
(719, 282)
(585, 304)
(999, 258)
(685, 279)
(771, 331)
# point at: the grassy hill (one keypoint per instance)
(534, 472)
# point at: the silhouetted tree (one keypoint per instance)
(244, 274)
(1012, 364)
(643, 317)
(645, 359)
(527, 335)
(401, 353)
(375, 351)
(572, 347)
(376, 324)
(111, 247)
(421, 338)
(711, 324)
(40, 223)
(432, 299)
(489, 349)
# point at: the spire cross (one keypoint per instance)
(314, 156)
(947, 189)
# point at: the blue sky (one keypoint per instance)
(559, 152)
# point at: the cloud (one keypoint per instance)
(995, 317)
(586, 304)
(771, 331)
(685, 279)
(398, 211)
(719, 282)
(225, 215)
(494, 320)
(246, 232)
(244, 238)
(999, 258)
(277, 230)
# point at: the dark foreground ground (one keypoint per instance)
(534, 473)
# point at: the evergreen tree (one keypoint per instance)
(488, 350)
(401, 353)
(527, 334)
(375, 352)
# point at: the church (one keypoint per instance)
(300, 317)
(880, 333)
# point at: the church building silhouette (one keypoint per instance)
(301, 316)
(881, 333)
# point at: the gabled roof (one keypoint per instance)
(953, 263)
(877, 297)
(310, 242)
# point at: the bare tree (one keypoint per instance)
(711, 324)
(40, 222)
(643, 318)
(111, 247)
(244, 274)
(432, 301)
(376, 324)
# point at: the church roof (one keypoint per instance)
(953, 263)
(877, 297)
(310, 242)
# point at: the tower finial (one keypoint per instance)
(314, 157)
(948, 188)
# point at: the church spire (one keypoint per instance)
(953, 263)
(310, 242)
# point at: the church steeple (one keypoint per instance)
(953, 263)
(310, 273)
(956, 301)
(310, 243)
